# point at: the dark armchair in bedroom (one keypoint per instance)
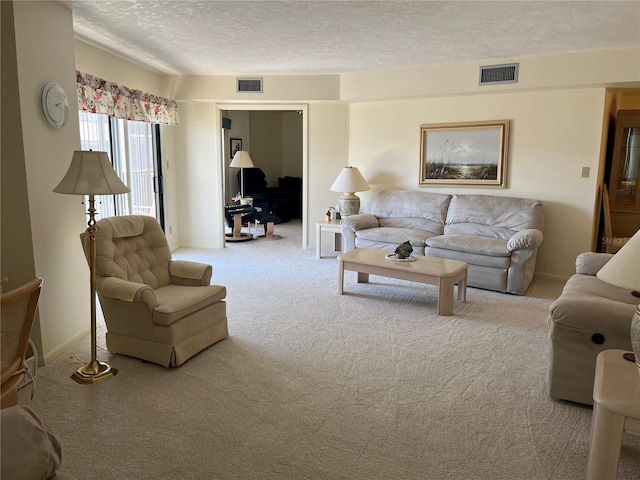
(284, 201)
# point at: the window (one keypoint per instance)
(133, 148)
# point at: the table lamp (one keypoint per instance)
(349, 181)
(623, 270)
(241, 160)
(91, 173)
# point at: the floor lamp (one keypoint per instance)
(241, 160)
(91, 173)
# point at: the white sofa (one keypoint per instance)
(497, 236)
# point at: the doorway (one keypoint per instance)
(276, 138)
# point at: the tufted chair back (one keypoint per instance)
(132, 248)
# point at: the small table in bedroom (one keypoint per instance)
(442, 272)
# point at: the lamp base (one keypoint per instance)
(94, 372)
(349, 204)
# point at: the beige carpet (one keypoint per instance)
(312, 385)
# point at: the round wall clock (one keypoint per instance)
(55, 105)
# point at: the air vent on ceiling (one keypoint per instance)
(249, 85)
(496, 74)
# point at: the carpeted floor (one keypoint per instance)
(371, 385)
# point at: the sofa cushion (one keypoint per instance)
(472, 259)
(177, 301)
(428, 209)
(395, 236)
(492, 216)
(471, 244)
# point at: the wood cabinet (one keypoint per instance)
(624, 199)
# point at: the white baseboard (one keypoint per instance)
(62, 348)
(550, 276)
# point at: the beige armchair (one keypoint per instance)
(156, 309)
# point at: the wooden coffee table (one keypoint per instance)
(442, 272)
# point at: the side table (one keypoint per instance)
(616, 409)
(332, 226)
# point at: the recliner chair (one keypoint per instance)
(156, 309)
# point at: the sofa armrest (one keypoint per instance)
(360, 222)
(529, 238)
(118, 289)
(588, 263)
(351, 224)
(190, 273)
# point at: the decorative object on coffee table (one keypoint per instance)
(402, 253)
(404, 250)
(623, 270)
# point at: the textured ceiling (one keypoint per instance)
(330, 37)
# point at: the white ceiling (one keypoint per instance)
(330, 37)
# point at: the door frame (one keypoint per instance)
(303, 108)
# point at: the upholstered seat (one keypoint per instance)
(157, 309)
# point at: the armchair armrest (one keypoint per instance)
(529, 238)
(118, 289)
(183, 272)
(588, 263)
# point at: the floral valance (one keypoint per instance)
(96, 95)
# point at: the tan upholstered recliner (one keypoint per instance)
(157, 309)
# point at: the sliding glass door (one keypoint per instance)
(133, 148)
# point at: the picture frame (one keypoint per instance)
(464, 154)
(235, 145)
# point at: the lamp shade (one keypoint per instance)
(350, 180)
(241, 160)
(623, 270)
(91, 173)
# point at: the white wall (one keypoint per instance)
(199, 176)
(266, 143)
(56, 220)
(328, 154)
(95, 61)
(571, 70)
(553, 135)
(277, 88)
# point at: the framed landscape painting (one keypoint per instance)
(464, 154)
